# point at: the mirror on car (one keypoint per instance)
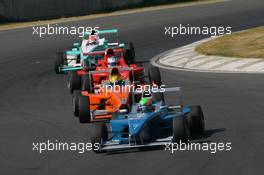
(123, 111)
(76, 44)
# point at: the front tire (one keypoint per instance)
(59, 61)
(155, 78)
(99, 135)
(84, 109)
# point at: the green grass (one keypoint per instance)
(244, 44)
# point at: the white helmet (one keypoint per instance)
(93, 39)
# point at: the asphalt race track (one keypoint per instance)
(35, 105)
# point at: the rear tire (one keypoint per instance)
(84, 109)
(75, 102)
(99, 134)
(74, 82)
(129, 54)
(181, 131)
(196, 119)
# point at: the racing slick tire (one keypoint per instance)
(159, 97)
(99, 134)
(74, 82)
(87, 83)
(75, 102)
(154, 76)
(84, 109)
(195, 119)
(59, 61)
(181, 130)
(129, 54)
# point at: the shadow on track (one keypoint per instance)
(207, 133)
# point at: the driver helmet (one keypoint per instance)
(115, 76)
(112, 61)
(93, 38)
(145, 101)
(145, 104)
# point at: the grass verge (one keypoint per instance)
(244, 44)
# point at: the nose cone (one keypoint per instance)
(136, 122)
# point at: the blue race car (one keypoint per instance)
(149, 123)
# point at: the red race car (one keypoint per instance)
(91, 76)
(113, 61)
(101, 60)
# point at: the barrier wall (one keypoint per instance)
(26, 10)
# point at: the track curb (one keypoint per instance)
(185, 58)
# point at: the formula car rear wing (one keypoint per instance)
(159, 90)
(163, 91)
(112, 41)
(70, 68)
(103, 31)
(107, 31)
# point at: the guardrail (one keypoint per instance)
(27, 10)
